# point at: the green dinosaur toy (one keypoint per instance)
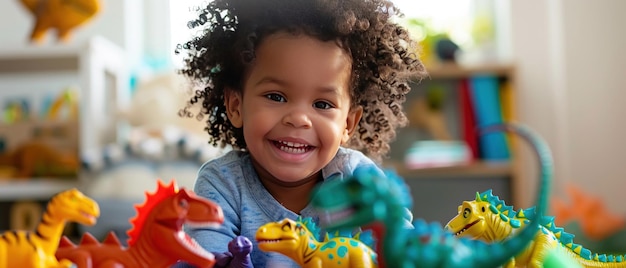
(489, 219)
(297, 240)
(368, 198)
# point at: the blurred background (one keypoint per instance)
(98, 108)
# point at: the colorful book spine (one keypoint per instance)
(508, 109)
(468, 119)
(485, 95)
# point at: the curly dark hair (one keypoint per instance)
(383, 59)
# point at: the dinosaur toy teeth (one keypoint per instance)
(263, 241)
(90, 217)
(466, 227)
(193, 245)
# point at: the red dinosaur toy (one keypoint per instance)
(156, 239)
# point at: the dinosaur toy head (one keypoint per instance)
(361, 199)
(282, 236)
(471, 218)
(159, 223)
(74, 206)
(487, 218)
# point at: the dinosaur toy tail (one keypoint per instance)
(500, 253)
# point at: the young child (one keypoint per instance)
(292, 85)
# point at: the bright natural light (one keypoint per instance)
(439, 14)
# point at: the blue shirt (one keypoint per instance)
(232, 183)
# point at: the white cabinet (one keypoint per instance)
(97, 68)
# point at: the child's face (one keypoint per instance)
(295, 110)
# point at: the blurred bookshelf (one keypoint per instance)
(95, 70)
(447, 121)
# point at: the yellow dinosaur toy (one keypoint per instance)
(296, 240)
(62, 15)
(37, 249)
(488, 218)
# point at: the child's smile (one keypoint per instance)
(293, 148)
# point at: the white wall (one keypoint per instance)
(121, 21)
(571, 83)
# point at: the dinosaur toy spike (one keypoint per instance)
(66, 242)
(88, 239)
(112, 239)
(367, 199)
(36, 249)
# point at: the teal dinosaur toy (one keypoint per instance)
(297, 240)
(489, 219)
(369, 199)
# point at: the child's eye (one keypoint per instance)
(322, 105)
(275, 97)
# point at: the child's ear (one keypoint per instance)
(352, 122)
(233, 103)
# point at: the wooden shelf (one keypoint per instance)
(451, 70)
(477, 169)
(34, 189)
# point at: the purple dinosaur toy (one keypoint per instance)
(237, 256)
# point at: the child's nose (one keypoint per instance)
(297, 118)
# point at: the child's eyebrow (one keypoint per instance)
(270, 80)
(330, 90)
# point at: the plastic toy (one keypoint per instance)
(59, 14)
(488, 218)
(296, 240)
(36, 248)
(156, 238)
(66, 99)
(238, 255)
(34, 158)
(367, 198)
(592, 214)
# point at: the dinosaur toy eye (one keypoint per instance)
(286, 226)
(466, 213)
(183, 203)
(483, 209)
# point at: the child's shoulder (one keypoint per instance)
(230, 159)
(352, 157)
(345, 161)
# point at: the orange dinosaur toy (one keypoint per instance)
(37, 159)
(63, 15)
(156, 239)
(596, 221)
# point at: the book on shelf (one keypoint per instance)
(508, 107)
(468, 120)
(485, 98)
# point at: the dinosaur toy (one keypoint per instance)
(36, 248)
(297, 240)
(156, 239)
(489, 219)
(63, 15)
(39, 159)
(371, 200)
(596, 221)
